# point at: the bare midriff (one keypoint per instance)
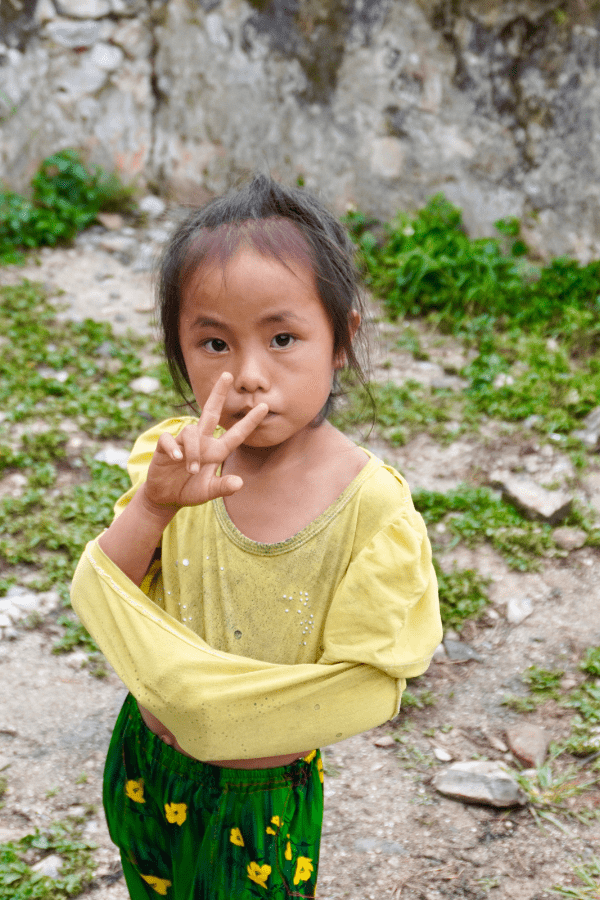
(265, 762)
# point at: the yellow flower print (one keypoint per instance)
(320, 769)
(304, 868)
(275, 821)
(176, 813)
(310, 756)
(236, 838)
(135, 790)
(160, 885)
(288, 851)
(258, 874)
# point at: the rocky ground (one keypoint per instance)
(389, 831)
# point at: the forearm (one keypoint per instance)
(131, 540)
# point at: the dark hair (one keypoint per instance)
(259, 215)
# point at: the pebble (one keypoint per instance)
(113, 456)
(479, 781)
(386, 741)
(145, 384)
(460, 652)
(529, 743)
(442, 754)
(590, 433)
(153, 206)
(387, 848)
(569, 538)
(50, 866)
(518, 609)
(19, 603)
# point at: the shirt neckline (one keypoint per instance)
(309, 531)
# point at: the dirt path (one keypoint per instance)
(387, 833)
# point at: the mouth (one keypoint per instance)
(244, 412)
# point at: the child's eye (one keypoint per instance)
(283, 340)
(215, 345)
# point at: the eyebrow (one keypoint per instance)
(274, 319)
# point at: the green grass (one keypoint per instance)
(545, 685)
(587, 881)
(18, 881)
(67, 500)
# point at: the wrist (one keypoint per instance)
(160, 513)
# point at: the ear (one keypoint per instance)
(340, 358)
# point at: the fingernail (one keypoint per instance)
(194, 468)
(177, 454)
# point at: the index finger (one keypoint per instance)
(212, 409)
(238, 433)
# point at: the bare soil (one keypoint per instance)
(387, 832)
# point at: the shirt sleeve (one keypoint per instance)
(221, 706)
(383, 626)
(385, 612)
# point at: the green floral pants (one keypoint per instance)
(191, 831)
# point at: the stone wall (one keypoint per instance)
(377, 103)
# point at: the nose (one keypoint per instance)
(252, 374)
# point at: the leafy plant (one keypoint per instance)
(475, 514)
(60, 509)
(66, 198)
(74, 635)
(462, 595)
(18, 880)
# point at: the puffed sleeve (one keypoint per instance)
(385, 612)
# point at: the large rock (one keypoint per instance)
(531, 498)
(489, 783)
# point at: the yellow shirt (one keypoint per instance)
(245, 649)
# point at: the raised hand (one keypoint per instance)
(183, 470)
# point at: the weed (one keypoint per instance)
(418, 700)
(588, 873)
(18, 880)
(427, 263)
(48, 525)
(66, 198)
(536, 330)
(462, 594)
(400, 410)
(75, 635)
(520, 704)
(545, 683)
(476, 514)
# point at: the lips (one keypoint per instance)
(242, 413)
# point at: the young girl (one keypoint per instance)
(266, 585)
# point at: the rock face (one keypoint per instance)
(379, 104)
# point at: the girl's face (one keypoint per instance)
(264, 323)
